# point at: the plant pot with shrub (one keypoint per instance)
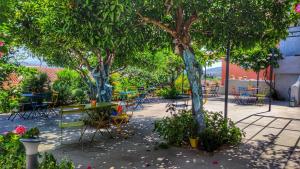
(93, 98)
(193, 136)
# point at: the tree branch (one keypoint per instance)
(108, 56)
(190, 21)
(118, 70)
(83, 59)
(179, 19)
(157, 23)
(112, 56)
(86, 78)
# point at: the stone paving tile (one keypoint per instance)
(294, 161)
(279, 123)
(252, 130)
(267, 134)
(294, 125)
(242, 125)
(251, 119)
(274, 156)
(264, 121)
(288, 138)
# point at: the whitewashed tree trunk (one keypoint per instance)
(194, 73)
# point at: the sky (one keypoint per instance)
(27, 59)
(217, 64)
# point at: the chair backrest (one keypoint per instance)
(233, 91)
(242, 89)
(54, 98)
(71, 109)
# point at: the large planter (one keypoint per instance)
(31, 147)
(194, 142)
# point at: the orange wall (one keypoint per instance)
(237, 72)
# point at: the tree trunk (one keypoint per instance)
(194, 75)
(104, 90)
(257, 82)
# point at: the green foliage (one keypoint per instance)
(168, 93)
(69, 85)
(31, 133)
(37, 83)
(79, 95)
(219, 131)
(12, 152)
(176, 129)
(49, 162)
(257, 58)
(9, 92)
(9, 99)
(182, 80)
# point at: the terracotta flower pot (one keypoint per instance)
(194, 142)
(93, 102)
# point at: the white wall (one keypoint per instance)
(289, 70)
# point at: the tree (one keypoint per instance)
(87, 36)
(256, 59)
(177, 18)
(216, 25)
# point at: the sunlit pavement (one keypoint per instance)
(271, 141)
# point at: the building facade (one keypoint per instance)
(289, 69)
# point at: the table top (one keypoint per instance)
(127, 92)
(33, 95)
(27, 95)
(98, 105)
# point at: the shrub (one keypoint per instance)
(185, 82)
(177, 128)
(79, 95)
(12, 151)
(9, 99)
(219, 131)
(49, 162)
(168, 93)
(37, 82)
(67, 81)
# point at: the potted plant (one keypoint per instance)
(193, 136)
(93, 98)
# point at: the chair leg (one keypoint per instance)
(10, 116)
(94, 135)
(61, 135)
(111, 136)
(82, 133)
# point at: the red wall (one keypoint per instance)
(237, 72)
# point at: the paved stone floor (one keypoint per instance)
(272, 141)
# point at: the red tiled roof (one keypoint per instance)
(14, 80)
(50, 71)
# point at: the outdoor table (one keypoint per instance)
(36, 106)
(98, 116)
(183, 97)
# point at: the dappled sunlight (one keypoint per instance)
(265, 144)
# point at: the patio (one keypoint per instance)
(272, 141)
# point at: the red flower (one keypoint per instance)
(215, 162)
(20, 130)
(2, 43)
(1, 54)
(297, 8)
(89, 167)
(119, 109)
